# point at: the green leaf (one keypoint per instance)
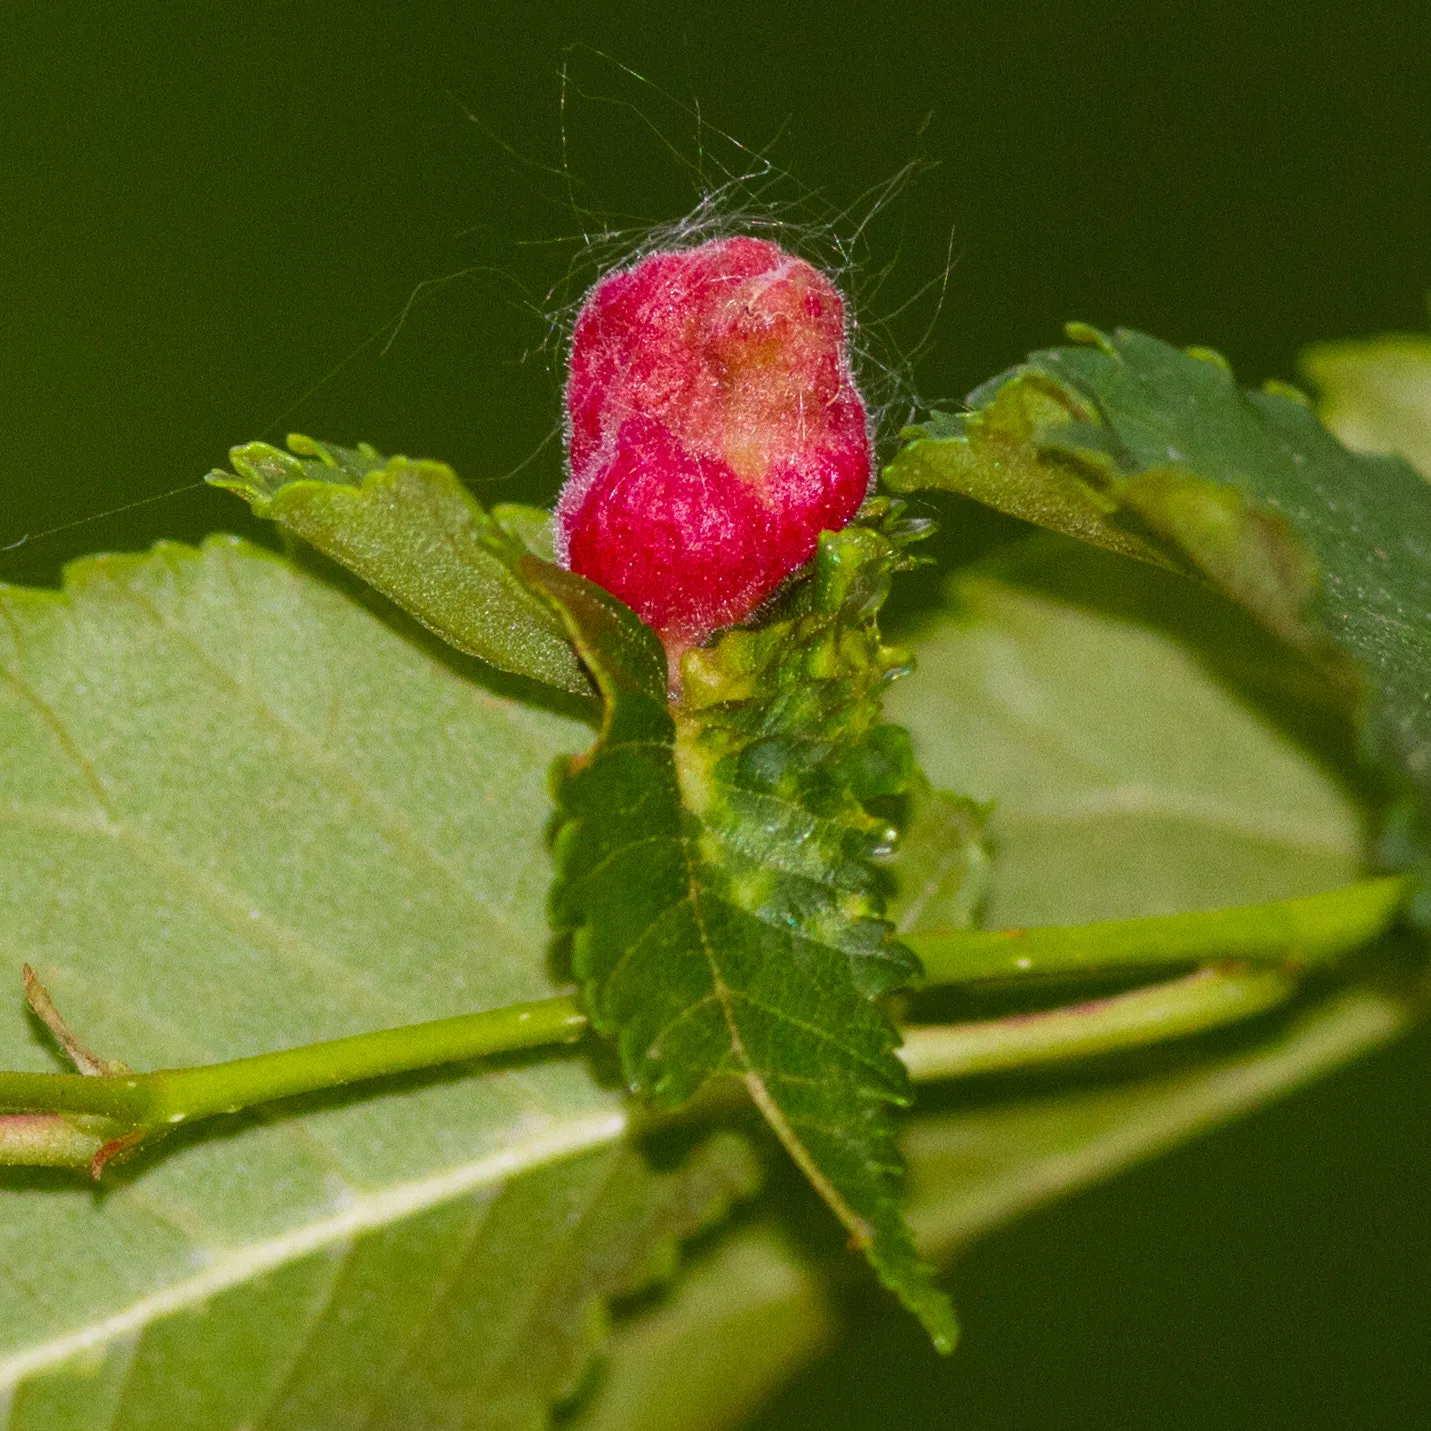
(992, 455)
(753, 1310)
(941, 867)
(1117, 719)
(529, 527)
(413, 531)
(487, 1307)
(716, 862)
(240, 812)
(1330, 550)
(1376, 394)
(744, 1318)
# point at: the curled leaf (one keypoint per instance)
(411, 530)
(1330, 550)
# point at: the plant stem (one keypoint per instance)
(1194, 1003)
(1299, 932)
(77, 1119)
(169, 1096)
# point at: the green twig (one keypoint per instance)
(93, 1114)
(1194, 1003)
(1300, 932)
(88, 1118)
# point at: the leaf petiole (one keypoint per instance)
(1206, 999)
(1301, 932)
(128, 1102)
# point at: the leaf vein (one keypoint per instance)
(396, 823)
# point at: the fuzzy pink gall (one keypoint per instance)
(713, 431)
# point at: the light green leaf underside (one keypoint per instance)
(1106, 710)
(748, 1315)
(239, 812)
(412, 531)
(474, 1312)
(1376, 394)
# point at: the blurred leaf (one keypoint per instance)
(240, 813)
(412, 531)
(1129, 771)
(1376, 394)
(975, 1169)
(1330, 550)
(715, 861)
(941, 866)
(753, 1310)
(742, 1320)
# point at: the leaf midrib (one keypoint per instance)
(367, 1213)
(862, 1233)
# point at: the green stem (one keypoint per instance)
(1194, 1003)
(72, 1119)
(168, 1096)
(1310, 930)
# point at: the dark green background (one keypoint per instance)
(206, 209)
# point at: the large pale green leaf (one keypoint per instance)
(1376, 394)
(239, 812)
(715, 862)
(1329, 549)
(415, 533)
(476, 1311)
(1118, 720)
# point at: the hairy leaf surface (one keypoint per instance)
(716, 864)
(412, 531)
(239, 812)
(1330, 550)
